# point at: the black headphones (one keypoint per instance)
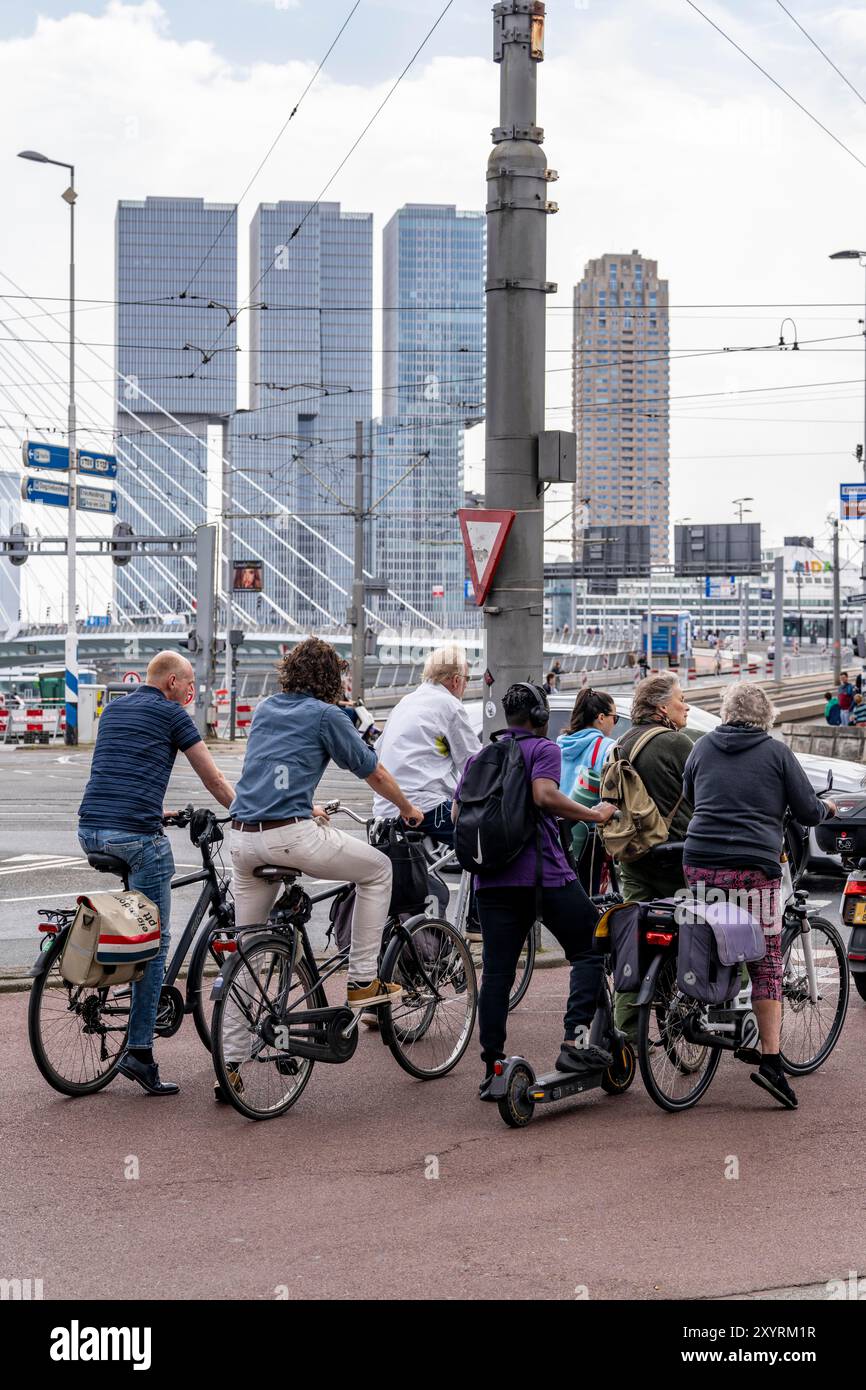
(539, 713)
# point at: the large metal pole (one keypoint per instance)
(517, 287)
(205, 584)
(778, 615)
(837, 605)
(649, 620)
(71, 652)
(863, 555)
(357, 611)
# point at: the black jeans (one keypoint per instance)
(438, 824)
(507, 915)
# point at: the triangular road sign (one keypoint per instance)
(484, 532)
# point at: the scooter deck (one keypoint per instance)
(558, 1085)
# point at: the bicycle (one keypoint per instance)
(271, 989)
(77, 1033)
(681, 1040)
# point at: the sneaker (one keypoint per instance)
(583, 1059)
(235, 1081)
(371, 995)
(776, 1083)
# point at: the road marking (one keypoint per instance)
(56, 863)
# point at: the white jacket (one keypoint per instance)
(425, 745)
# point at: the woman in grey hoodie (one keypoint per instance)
(740, 782)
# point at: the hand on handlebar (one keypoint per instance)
(179, 818)
(415, 817)
(322, 815)
(831, 807)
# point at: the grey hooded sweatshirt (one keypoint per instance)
(740, 781)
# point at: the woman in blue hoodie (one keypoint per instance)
(585, 742)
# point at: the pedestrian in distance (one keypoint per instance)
(845, 695)
(539, 881)
(738, 776)
(858, 711)
(832, 710)
(549, 686)
(121, 813)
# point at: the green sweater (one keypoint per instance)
(661, 765)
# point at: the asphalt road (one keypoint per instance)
(41, 862)
(378, 1186)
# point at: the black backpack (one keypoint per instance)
(497, 815)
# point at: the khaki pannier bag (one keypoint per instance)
(112, 938)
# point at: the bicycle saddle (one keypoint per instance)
(275, 873)
(108, 864)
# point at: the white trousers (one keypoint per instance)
(322, 852)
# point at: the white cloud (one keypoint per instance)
(665, 139)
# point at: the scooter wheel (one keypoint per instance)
(621, 1073)
(515, 1107)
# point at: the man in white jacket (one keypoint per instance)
(427, 741)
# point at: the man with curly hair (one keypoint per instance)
(293, 737)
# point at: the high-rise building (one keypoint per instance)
(10, 575)
(176, 290)
(433, 387)
(310, 380)
(620, 396)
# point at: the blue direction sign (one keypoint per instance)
(91, 462)
(97, 499)
(852, 501)
(56, 494)
(99, 465)
(45, 455)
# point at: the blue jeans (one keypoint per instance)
(151, 867)
(438, 824)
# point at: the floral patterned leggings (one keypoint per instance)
(760, 896)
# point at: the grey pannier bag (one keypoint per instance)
(715, 941)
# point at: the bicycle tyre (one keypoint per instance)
(803, 1068)
(662, 993)
(521, 982)
(455, 969)
(197, 990)
(280, 944)
(64, 1085)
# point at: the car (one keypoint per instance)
(839, 773)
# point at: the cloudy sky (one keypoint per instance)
(665, 138)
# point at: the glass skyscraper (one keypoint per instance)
(310, 380)
(433, 386)
(175, 269)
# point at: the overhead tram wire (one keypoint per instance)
(324, 540)
(783, 90)
(825, 56)
(271, 148)
(350, 151)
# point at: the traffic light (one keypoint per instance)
(121, 554)
(191, 642)
(18, 549)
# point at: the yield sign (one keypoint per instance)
(484, 533)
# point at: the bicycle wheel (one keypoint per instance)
(77, 1035)
(198, 986)
(260, 1079)
(429, 1029)
(811, 1031)
(675, 1071)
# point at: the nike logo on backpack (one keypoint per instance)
(477, 857)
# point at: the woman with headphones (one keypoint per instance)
(538, 878)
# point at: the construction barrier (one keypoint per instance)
(244, 712)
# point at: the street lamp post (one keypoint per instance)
(740, 504)
(69, 195)
(861, 257)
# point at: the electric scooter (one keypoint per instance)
(517, 1090)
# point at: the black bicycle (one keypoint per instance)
(78, 1033)
(272, 1019)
